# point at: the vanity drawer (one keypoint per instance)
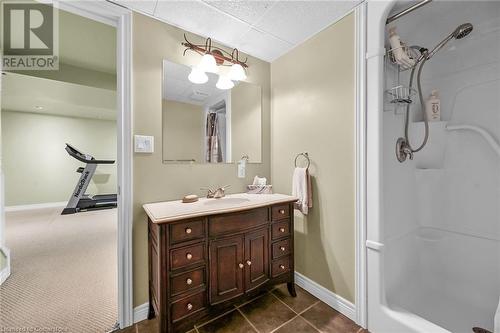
(187, 230)
(188, 255)
(236, 222)
(187, 281)
(281, 266)
(187, 306)
(281, 248)
(280, 229)
(280, 212)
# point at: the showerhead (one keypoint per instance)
(460, 32)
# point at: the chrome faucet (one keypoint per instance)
(217, 193)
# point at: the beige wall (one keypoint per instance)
(182, 131)
(246, 122)
(154, 41)
(313, 110)
(37, 168)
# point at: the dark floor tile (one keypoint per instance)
(232, 322)
(267, 313)
(297, 325)
(149, 326)
(328, 320)
(299, 303)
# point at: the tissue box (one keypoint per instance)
(260, 189)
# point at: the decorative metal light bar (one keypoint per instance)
(222, 57)
(212, 57)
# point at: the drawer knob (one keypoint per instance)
(241, 265)
(282, 211)
(189, 306)
(189, 281)
(282, 229)
(282, 267)
(249, 263)
(282, 248)
(189, 256)
(189, 230)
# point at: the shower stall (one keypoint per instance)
(433, 214)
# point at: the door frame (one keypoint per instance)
(121, 18)
(361, 296)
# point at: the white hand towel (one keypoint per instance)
(301, 188)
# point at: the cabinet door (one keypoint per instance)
(226, 269)
(256, 258)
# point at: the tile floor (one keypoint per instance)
(275, 311)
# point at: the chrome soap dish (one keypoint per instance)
(401, 94)
(404, 57)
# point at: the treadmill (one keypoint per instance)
(79, 201)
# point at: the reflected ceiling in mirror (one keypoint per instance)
(204, 124)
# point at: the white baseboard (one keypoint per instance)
(5, 273)
(141, 312)
(35, 206)
(335, 301)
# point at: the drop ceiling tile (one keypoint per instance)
(296, 21)
(247, 11)
(146, 6)
(199, 18)
(262, 45)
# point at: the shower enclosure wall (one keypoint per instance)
(433, 223)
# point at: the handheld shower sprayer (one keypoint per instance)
(460, 32)
(404, 148)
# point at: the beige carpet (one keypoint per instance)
(64, 272)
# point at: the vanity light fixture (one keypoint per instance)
(211, 58)
(237, 72)
(197, 76)
(208, 64)
(224, 83)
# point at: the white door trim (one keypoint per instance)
(360, 97)
(121, 18)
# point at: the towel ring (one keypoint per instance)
(306, 155)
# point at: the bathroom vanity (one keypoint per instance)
(206, 256)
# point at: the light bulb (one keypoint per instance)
(208, 63)
(237, 73)
(224, 83)
(197, 76)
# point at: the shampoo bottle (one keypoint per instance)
(433, 107)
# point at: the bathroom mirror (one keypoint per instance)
(204, 124)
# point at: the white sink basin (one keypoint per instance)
(226, 201)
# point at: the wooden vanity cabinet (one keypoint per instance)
(200, 267)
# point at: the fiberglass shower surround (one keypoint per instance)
(435, 261)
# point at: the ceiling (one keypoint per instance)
(24, 93)
(263, 29)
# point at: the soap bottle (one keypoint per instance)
(433, 106)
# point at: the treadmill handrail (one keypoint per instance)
(75, 153)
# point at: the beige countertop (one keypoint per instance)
(168, 211)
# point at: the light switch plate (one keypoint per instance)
(144, 144)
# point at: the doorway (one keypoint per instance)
(117, 240)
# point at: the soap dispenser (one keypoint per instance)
(433, 106)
